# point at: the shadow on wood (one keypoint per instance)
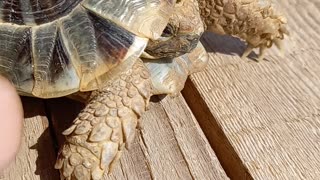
(44, 163)
(229, 159)
(61, 112)
(30, 107)
(46, 157)
(225, 45)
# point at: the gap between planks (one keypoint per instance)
(262, 119)
(169, 145)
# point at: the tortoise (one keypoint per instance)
(116, 54)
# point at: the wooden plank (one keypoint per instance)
(36, 157)
(266, 115)
(199, 156)
(169, 145)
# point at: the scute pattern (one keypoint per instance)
(53, 72)
(80, 41)
(76, 52)
(146, 18)
(15, 57)
(59, 47)
(33, 12)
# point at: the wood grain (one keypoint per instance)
(36, 157)
(168, 145)
(266, 114)
(201, 160)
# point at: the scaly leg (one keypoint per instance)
(254, 21)
(107, 124)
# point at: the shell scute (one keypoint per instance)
(53, 73)
(146, 18)
(33, 12)
(96, 46)
(15, 57)
(49, 55)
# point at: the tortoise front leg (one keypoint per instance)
(97, 137)
(254, 21)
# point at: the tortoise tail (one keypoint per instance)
(107, 124)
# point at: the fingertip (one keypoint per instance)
(11, 118)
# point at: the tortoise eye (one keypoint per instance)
(169, 31)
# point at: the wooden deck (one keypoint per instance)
(238, 119)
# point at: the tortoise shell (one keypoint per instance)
(53, 48)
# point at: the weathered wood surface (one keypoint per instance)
(169, 145)
(263, 119)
